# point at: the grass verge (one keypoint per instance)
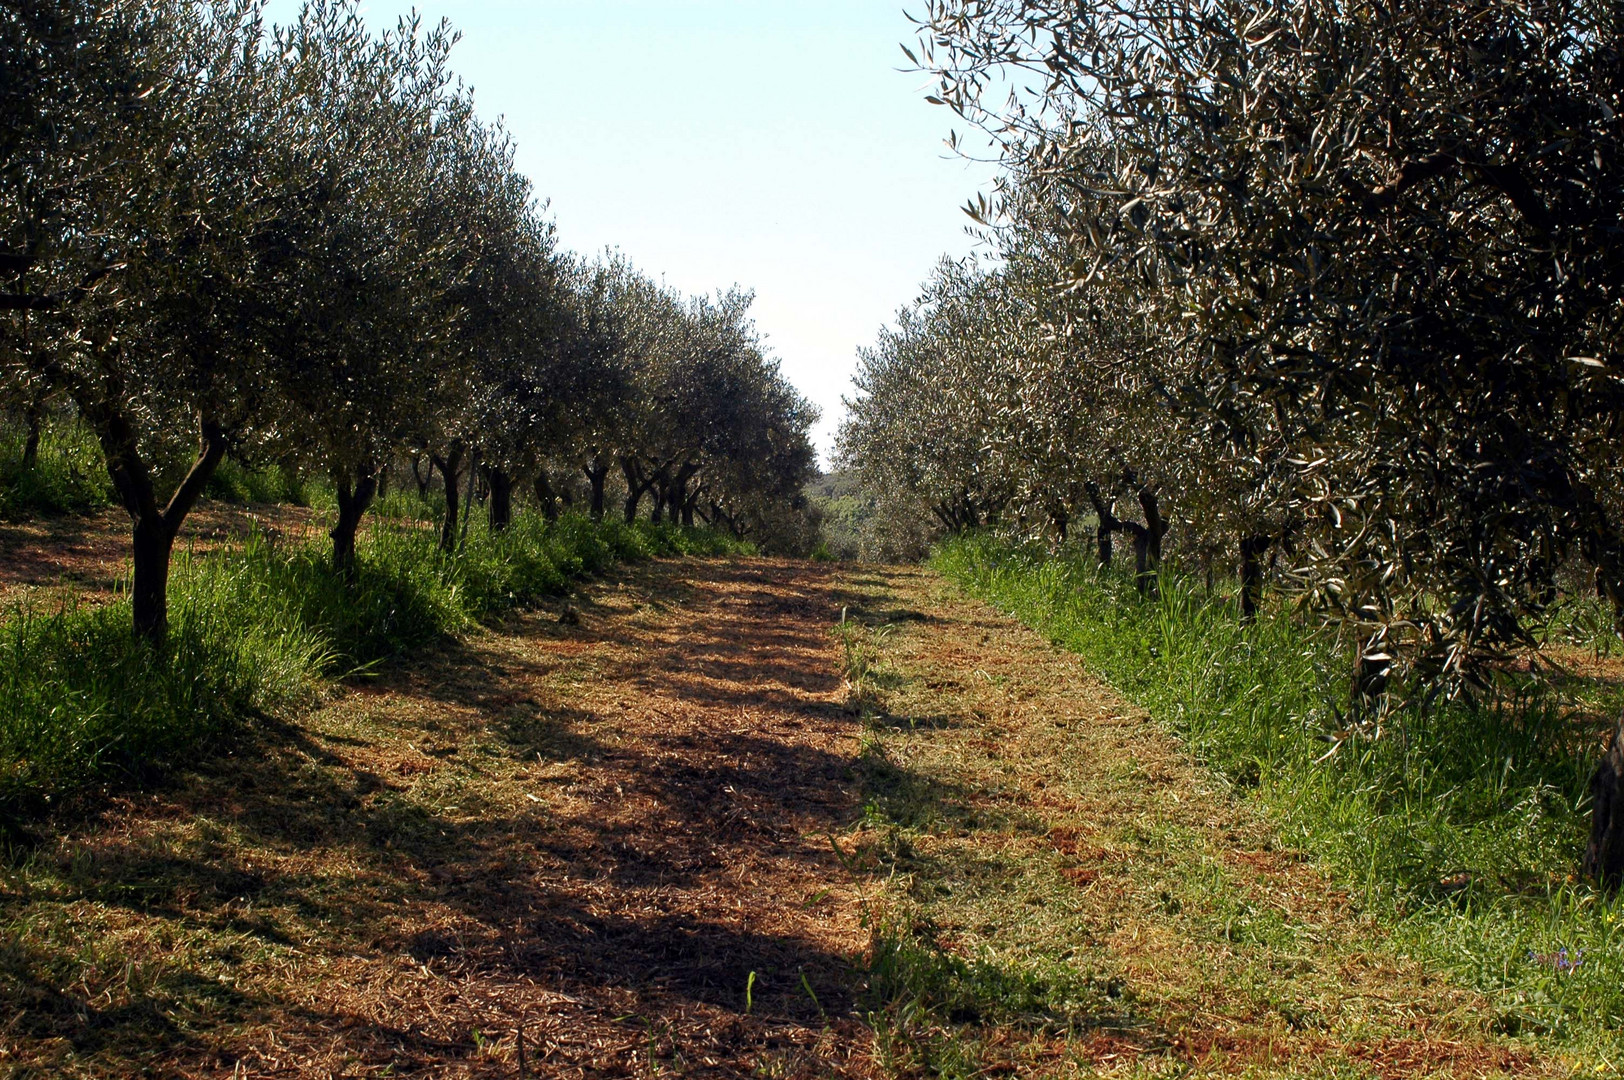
(1458, 829)
(257, 628)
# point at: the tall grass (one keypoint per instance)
(256, 628)
(1459, 827)
(68, 476)
(235, 482)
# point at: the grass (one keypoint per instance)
(1458, 829)
(256, 628)
(69, 475)
(235, 482)
(1060, 890)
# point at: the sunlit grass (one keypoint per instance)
(1460, 828)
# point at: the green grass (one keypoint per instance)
(256, 628)
(1459, 828)
(69, 475)
(235, 482)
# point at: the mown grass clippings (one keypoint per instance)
(1063, 892)
(1460, 829)
(471, 843)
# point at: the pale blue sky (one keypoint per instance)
(771, 144)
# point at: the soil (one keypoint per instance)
(608, 838)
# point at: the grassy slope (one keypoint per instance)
(1459, 835)
(1063, 891)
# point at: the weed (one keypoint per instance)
(860, 649)
(68, 476)
(237, 483)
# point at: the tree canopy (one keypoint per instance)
(302, 244)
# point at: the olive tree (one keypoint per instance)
(135, 210)
(1386, 237)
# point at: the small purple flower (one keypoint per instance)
(1559, 960)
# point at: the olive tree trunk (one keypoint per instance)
(450, 467)
(1252, 549)
(354, 493)
(1604, 856)
(34, 417)
(501, 499)
(1105, 514)
(546, 497)
(596, 473)
(153, 538)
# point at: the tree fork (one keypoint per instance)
(636, 485)
(353, 500)
(153, 538)
(1108, 523)
(597, 471)
(450, 468)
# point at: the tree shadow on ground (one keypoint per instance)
(307, 845)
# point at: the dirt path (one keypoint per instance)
(612, 837)
(658, 842)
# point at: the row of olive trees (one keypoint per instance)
(1332, 279)
(1333, 282)
(300, 244)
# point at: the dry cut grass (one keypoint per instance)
(593, 849)
(1068, 894)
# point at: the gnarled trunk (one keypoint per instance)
(659, 486)
(450, 467)
(1252, 549)
(1105, 513)
(153, 538)
(632, 472)
(423, 479)
(34, 417)
(680, 502)
(354, 496)
(1150, 504)
(546, 497)
(153, 543)
(596, 473)
(468, 513)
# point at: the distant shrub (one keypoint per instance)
(235, 482)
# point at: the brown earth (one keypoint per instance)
(608, 840)
(659, 841)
